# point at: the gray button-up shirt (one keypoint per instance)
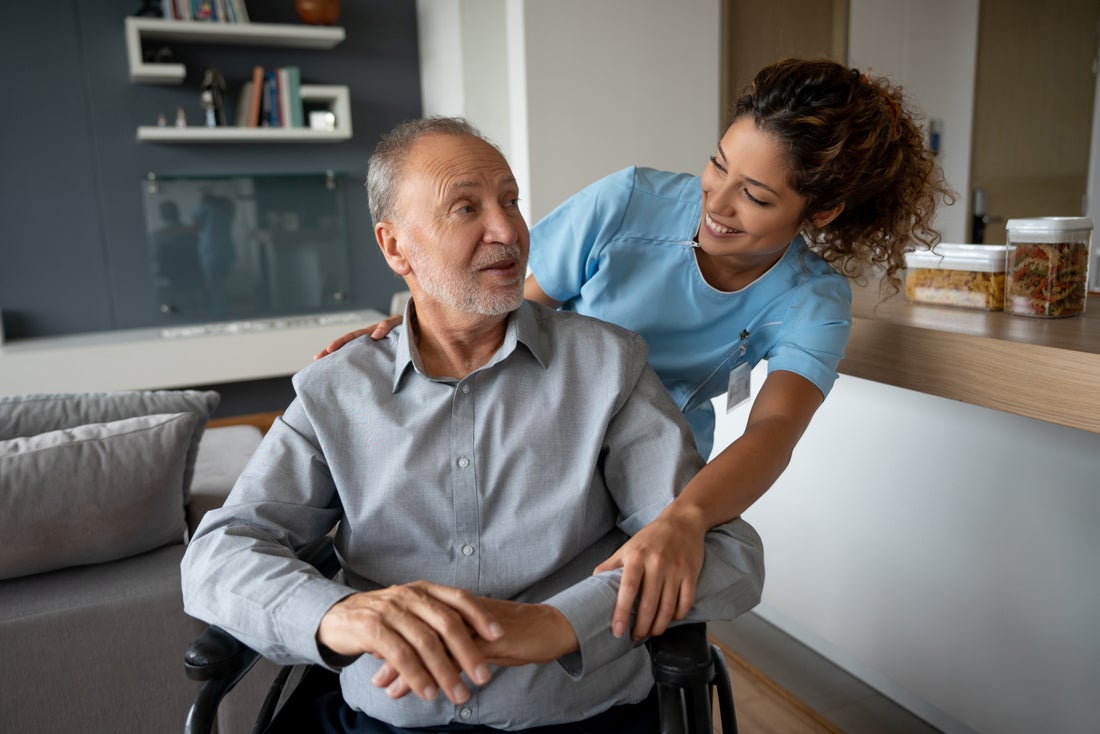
(513, 483)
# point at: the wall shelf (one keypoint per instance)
(334, 96)
(287, 35)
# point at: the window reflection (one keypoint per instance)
(246, 247)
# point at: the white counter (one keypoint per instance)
(140, 359)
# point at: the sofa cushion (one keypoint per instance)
(28, 415)
(92, 493)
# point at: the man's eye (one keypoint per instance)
(465, 209)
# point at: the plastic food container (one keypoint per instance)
(1048, 263)
(970, 276)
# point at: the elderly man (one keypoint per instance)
(477, 464)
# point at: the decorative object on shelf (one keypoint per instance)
(181, 117)
(151, 8)
(213, 87)
(318, 12)
(322, 120)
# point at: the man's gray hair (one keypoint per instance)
(389, 157)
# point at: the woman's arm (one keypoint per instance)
(663, 559)
(532, 291)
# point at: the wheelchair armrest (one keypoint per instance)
(682, 656)
(220, 660)
(217, 654)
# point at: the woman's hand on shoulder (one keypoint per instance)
(376, 331)
(661, 564)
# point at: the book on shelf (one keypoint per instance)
(244, 106)
(256, 90)
(213, 11)
(269, 115)
(290, 97)
(272, 98)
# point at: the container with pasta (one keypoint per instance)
(969, 276)
(1046, 274)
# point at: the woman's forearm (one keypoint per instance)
(742, 472)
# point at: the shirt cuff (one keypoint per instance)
(300, 617)
(588, 606)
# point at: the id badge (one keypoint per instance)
(740, 386)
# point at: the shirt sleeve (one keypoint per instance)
(650, 456)
(240, 571)
(815, 333)
(565, 243)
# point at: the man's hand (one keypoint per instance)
(662, 561)
(533, 633)
(425, 633)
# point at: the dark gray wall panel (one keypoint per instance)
(73, 255)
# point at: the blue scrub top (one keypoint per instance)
(621, 250)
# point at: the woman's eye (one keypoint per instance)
(714, 162)
(754, 200)
(465, 209)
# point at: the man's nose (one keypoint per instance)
(501, 225)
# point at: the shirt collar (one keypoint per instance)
(525, 328)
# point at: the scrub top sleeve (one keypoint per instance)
(566, 243)
(815, 335)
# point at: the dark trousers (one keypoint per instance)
(328, 714)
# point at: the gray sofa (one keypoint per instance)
(98, 492)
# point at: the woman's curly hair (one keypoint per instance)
(851, 140)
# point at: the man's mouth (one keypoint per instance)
(504, 259)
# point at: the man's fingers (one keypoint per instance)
(398, 689)
(459, 612)
(413, 664)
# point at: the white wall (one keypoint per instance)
(612, 83)
(944, 553)
(891, 38)
(576, 89)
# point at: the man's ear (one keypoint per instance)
(821, 219)
(386, 234)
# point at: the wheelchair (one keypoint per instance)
(690, 673)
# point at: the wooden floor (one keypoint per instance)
(764, 707)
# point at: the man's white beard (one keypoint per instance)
(462, 291)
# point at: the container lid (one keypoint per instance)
(975, 258)
(1050, 229)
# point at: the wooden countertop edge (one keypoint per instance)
(1045, 382)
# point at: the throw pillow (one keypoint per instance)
(28, 415)
(93, 493)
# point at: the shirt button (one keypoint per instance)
(465, 389)
(465, 712)
(467, 550)
(463, 462)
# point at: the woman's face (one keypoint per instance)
(750, 213)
